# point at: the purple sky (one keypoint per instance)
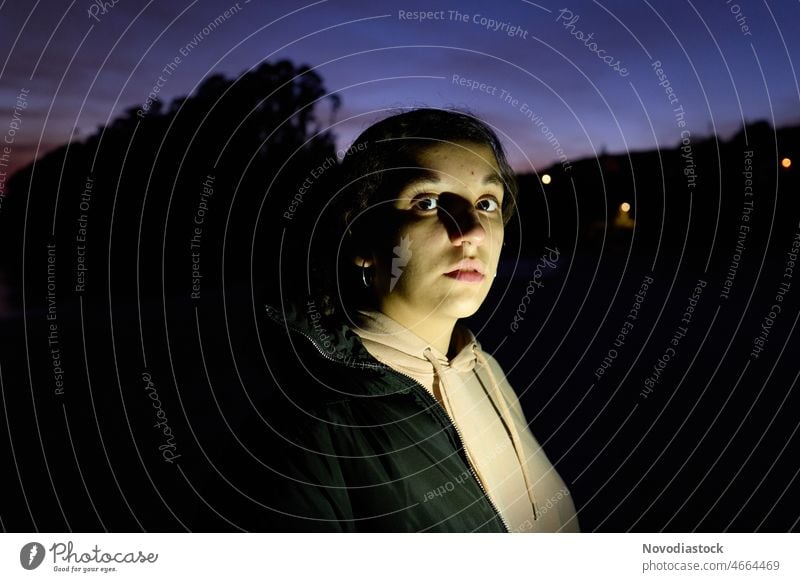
(727, 62)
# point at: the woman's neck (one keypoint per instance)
(437, 331)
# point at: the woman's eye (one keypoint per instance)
(426, 203)
(489, 204)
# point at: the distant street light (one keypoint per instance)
(546, 179)
(786, 162)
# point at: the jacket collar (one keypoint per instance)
(337, 349)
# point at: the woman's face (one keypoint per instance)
(441, 261)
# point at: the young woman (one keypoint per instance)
(389, 415)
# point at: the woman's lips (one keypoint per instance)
(469, 270)
(467, 276)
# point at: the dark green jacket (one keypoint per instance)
(359, 446)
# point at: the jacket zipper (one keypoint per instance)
(441, 410)
(421, 389)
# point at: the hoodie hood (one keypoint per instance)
(410, 353)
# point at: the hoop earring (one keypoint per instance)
(364, 273)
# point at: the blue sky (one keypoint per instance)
(726, 62)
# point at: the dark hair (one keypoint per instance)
(372, 171)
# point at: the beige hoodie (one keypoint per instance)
(472, 388)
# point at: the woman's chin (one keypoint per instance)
(460, 307)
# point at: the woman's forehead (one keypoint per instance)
(438, 162)
(473, 151)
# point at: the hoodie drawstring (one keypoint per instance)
(441, 395)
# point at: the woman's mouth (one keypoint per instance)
(468, 276)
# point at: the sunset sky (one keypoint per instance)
(581, 76)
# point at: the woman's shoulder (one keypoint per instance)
(320, 359)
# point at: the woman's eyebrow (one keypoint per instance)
(494, 178)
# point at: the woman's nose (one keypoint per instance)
(464, 225)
